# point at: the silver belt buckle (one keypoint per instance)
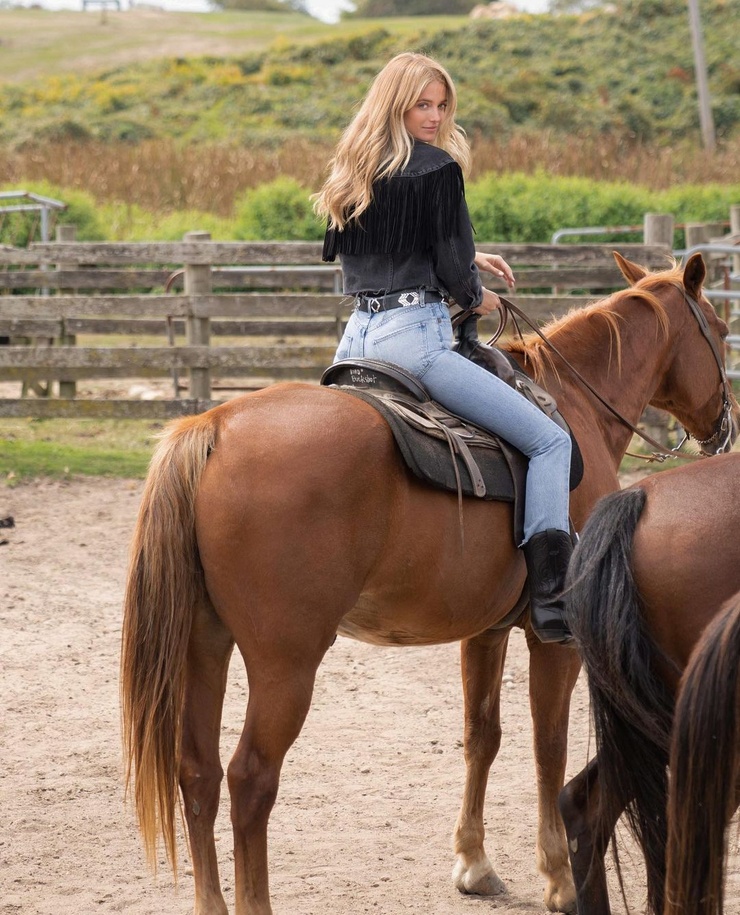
(409, 298)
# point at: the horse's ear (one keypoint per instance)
(631, 272)
(694, 274)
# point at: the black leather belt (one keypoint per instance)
(402, 299)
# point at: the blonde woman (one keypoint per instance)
(395, 207)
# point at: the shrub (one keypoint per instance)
(699, 203)
(530, 208)
(134, 223)
(278, 211)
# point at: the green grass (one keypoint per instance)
(39, 43)
(64, 448)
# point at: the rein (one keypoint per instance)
(661, 453)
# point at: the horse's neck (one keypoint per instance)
(625, 374)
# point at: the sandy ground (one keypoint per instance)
(370, 790)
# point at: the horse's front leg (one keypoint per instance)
(553, 671)
(482, 671)
(588, 839)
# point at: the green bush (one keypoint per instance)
(134, 223)
(510, 208)
(278, 211)
(699, 203)
(531, 208)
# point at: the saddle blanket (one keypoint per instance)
(430, 460)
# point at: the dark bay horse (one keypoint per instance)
(704, 786)
(655, 564)
(283, 517)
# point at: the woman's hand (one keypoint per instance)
(489, 303)
(495, 264)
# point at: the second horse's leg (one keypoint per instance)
(482, 670)
(588, 840)
(553, 671)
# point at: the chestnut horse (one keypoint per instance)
(283, 517)
(654, 565)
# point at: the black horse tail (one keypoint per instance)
(632, 709)
(703, 765)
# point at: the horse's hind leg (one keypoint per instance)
(553, 671)
(482, 669)
(281, 685)
(209, 650)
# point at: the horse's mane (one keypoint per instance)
(576, 327)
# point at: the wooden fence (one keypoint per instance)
(212, 317)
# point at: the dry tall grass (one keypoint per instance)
(162, 176)
(610, 158)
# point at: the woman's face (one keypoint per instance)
(425, 117)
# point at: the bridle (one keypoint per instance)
(723, 430)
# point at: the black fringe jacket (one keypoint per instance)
(415, 233)
(410, 211)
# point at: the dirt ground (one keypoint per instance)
(369, 794)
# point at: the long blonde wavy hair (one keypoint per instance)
(376, 142)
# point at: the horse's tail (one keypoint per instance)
(703, 765)
(631, 708)
(165, 582)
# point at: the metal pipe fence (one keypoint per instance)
(42, 205)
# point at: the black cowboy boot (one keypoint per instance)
(547, 554)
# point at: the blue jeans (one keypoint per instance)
(419, 338)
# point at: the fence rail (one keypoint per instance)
(246, 314)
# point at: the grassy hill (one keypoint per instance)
(267, 78)
(36, 43)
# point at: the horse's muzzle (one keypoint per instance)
(728, 429)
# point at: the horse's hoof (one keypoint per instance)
(478, 880)
(562, 899)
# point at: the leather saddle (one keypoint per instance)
(440, 448)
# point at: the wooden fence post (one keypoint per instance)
(198, 282)
(696, 234)
(658, 229)
(66, 388)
